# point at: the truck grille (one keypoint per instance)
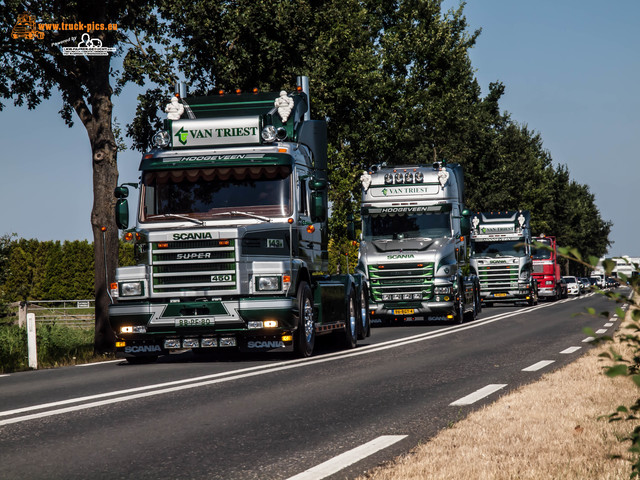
(498, 277)
(197, 266)
(408, 279)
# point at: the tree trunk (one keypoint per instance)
(105, 231)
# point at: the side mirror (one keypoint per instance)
(465, 223)
(316, 184)
(318, 207)
(121, 192)
(122, 213)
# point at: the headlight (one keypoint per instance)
(161, 139)
(524, 275)
(442, 290)
(269, 133)
(131, 289)
(268, 283)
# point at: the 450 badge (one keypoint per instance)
(221, 278)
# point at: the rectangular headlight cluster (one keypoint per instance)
(442, 290)
(130, 289)
(268, 283)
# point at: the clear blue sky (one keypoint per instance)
(570, 67)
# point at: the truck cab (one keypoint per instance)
(501, 257)
(231, 234)
(413, 250)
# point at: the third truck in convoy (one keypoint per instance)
(413, 249)
(501, 256)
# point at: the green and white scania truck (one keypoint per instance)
(231, 234)
(501, 257)
(413, 249)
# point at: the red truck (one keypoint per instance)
(546, 269)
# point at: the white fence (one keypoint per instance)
(72, 313)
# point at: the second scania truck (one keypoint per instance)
(413, 250)
(501, 257)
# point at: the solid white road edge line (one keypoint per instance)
(538, 366)
(345, 459)
(120, 360)
(570, 350)
(478, 394)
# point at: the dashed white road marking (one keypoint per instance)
(538, 366)
(601, 331)
(570, 350)
(479, 394)
(342, 461)
(610, 324)
(588, 339)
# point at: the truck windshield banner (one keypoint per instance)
(215, 131)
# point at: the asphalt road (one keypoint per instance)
(334, 415)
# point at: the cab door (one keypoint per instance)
(309, 239)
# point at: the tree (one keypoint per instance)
(33, 68)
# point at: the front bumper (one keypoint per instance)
(429, 311)
(506, 296)
(160, 328)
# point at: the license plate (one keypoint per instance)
(500, 295)
(404, 311)
(194, 322)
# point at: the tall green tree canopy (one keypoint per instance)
(32, 69)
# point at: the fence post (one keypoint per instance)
(22, 314)
(31, 341)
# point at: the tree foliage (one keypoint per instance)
(50, 270)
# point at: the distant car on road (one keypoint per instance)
(585, 284)
(573, 285)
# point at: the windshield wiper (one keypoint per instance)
(183, 217)
(246, 214)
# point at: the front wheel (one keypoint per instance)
(458, 315)
(365, 321)
(305, 336)
(351, 323)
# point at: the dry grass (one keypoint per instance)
(547, 430)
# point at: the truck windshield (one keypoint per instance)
(207, 193)
(399, 226)
(512, 248)
(541, 253)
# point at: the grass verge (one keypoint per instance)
(57, 345)
(551, 429)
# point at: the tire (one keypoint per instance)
(458, 314)
(141, 360)
(471, 316)
(351, 323)
(364, 329)
(305, 336)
